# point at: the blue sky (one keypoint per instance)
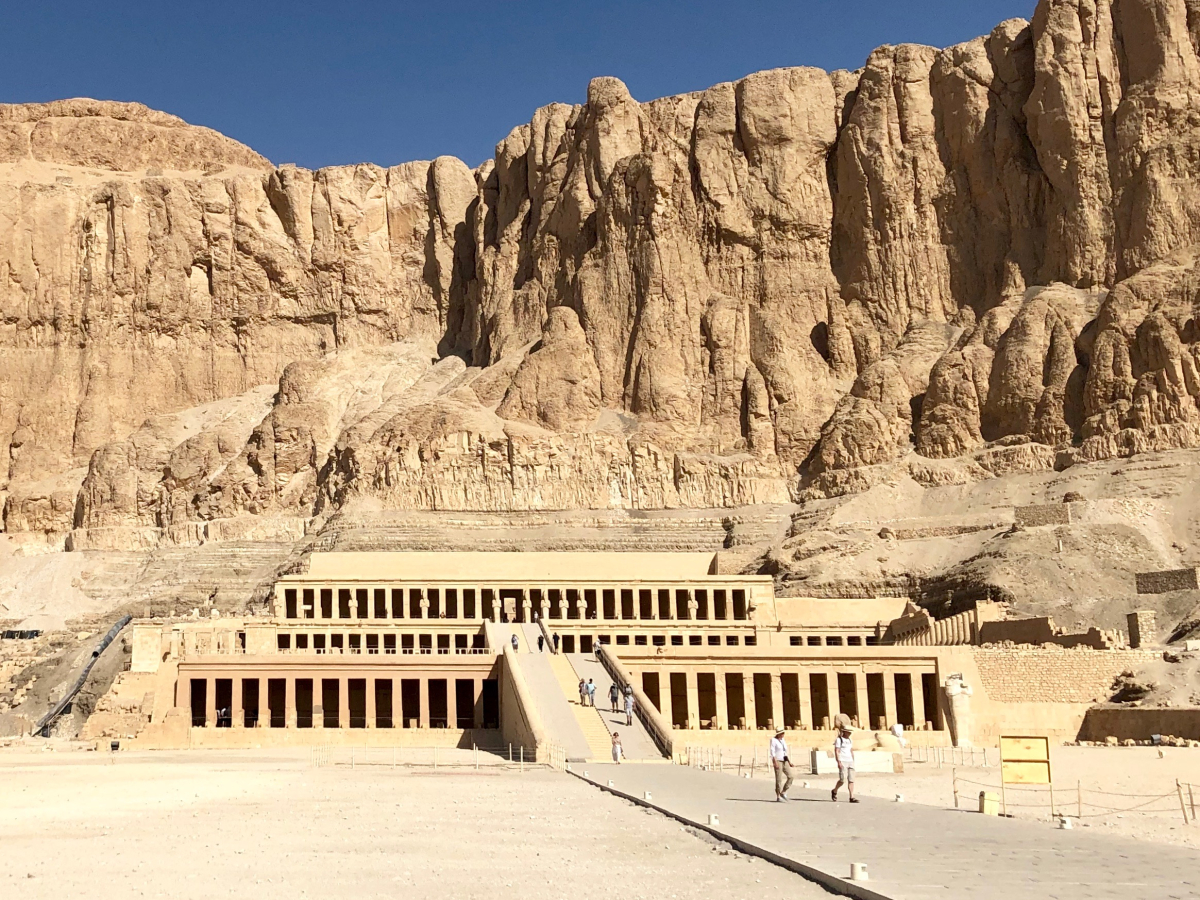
(323, 83)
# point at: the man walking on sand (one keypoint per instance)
(613, 696)
(629, 708)
(843, 753)
(591, 692)
(782, 765)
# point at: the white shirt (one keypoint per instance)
(779, 748)
(843, 751)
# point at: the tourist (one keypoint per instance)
(782, 765)
(556, 642)
(617, 750)
(516, 644)
(613, 696)
(541, 643)
(582, 692)
(898, 734)
(843, 752)
(591, 692)
(629, 708)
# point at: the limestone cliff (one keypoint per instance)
(959, 262)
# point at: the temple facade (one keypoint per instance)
(453, 649)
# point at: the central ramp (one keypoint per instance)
(560, 721)
(635, 740)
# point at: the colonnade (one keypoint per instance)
(517, 603)
(341, 700)
(798, 698)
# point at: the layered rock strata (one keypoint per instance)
(960, 262)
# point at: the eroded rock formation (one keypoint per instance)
(741, 295)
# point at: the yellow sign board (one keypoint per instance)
(1025, 760)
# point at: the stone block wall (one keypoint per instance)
(1167, 580)
(1042, 514)
(1143, 628)
(1053, 675)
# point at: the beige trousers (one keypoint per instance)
(783, 776)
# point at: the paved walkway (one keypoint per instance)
(914, 852)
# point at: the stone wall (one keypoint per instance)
(1042, 514)
(1139, 724)
(1167, 580)
(1052, 675)
(1041, 630)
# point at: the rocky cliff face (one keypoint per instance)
(955, 262)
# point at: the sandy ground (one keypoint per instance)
(1115, 770)
(271, 825)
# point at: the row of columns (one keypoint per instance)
(921, 716)
(238, 711)
(563, 605)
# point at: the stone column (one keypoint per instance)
(477, 712)
(545, 605)
(210, 703)
(423, 721)
(526, 606)
(318, 717)
(236, 711)
(289, 703)
(777, 716)
(343, 702)
(451, 702)
(672, 608)
(889, 698)
(920, 715)
(424, 603)
(693, 605)
(750, 705)
(805, 692)
(864, 704)
(693, 699)
(370, 702)
(835, 703)
(581, 604)
(664, 696)
(722, 701)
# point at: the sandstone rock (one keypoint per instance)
(949, 265)
(558, 384)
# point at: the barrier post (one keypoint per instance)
(1191, 801)
(1053, 813)
(1182, 808)
(954, 775)
(1079, 797)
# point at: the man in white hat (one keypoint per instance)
(843, 753)
(783, 766)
